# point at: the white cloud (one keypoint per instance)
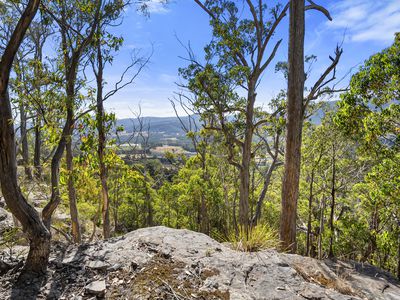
(367, 20)
(156, 7)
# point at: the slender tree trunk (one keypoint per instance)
(204, 222)
(235, 224)
(37, 152)
(290, 185)
(66, 135)
(102, 146)
(244, 192)
(38, 121)
(310, 203)
(76, 230)
(261, 198)
(24, 141)
(333, 198)
(244, 187)
(55, 198)
(321, 228)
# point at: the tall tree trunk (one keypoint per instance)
(244, 179)
(38, 235)
(290, 185)
(333, 198)
(76, 230)
(310, 203)
(102, 146)
(24, 141)
(204, 222)
(37, 151)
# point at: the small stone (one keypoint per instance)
(97, 265)
(96, 287)
(280, 288)
(115, 267)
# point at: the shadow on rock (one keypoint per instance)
(27, 286)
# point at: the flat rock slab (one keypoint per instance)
(262, 275)
(97, 265)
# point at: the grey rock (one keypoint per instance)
(6, 220)
(96, 287)
(128, 267)
(97, 265)
(263, 275)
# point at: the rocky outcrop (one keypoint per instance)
(164, 263)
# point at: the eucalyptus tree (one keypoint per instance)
(33, 80)
(37, 233)
(10, 13)
(105, 45)
(370, 111)
(369, 114)
(242, 49)
(77, 21)
(40, 77)
(201, 143)
(297, 104)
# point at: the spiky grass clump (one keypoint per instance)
(257, 238)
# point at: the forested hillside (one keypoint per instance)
(314, 172)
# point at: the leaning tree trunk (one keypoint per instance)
(267, 180)
(290, 185)
(76, 229)
(55, 198)
(38, 235)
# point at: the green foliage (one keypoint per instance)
(10, 238)
(370, 111)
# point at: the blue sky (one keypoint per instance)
(364, 26)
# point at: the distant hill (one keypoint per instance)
(168, 130)
(317, 117)
(167, 125)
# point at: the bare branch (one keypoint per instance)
(319, 8)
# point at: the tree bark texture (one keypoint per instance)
(290, 185)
